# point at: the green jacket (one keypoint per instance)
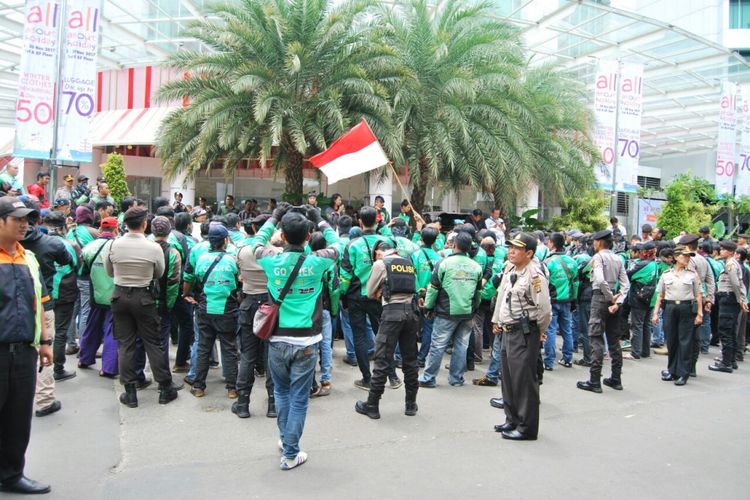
(563, 277)
(454, 287)
(542, 252)
(236, 236)
(82, 236)
(102, 285)
(717, 266)
(169, 283)
(218, 295)
(404, 246)
(424, 262)
(65, 276)
(182, 243)
(357, 265)
(480, 258)
(437, 246)
(501, 255)
(489, 290)
(301, 312)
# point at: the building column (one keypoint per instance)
(530, 201)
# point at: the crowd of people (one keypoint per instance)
(274, 286)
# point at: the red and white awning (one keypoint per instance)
(127, 127)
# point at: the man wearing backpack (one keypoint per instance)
(643, 278)
(563, 286)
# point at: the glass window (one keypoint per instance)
(739, 14)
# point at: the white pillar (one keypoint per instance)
(181, 184)
(383, 188)
(531, 200)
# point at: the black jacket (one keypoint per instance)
(48, 251)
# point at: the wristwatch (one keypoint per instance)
(45, 342)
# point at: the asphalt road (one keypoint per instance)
(651, 441)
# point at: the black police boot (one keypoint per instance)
(271, 412)
(367, 408)
(167, 393)
(592, 385)
(130, 397)
(241, 407)
(411, 408)
(614, 383)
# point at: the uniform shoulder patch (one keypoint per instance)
(536, 282)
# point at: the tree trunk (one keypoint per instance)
(419, 185)
(293, 177)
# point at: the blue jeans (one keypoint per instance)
(561, 317)
(445, 330)
(704, 332)
(194, 349)
(326, 348)
(657, 332)
(292, 368)
(346, 327)
(493, 371)
(424, 349)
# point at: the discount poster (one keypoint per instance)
(742, 182)
(725, 151)
(605, 116)
(628, 148)
(78, 80)
(34, 121)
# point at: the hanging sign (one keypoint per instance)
(725, 151)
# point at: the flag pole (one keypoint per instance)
(403, 190)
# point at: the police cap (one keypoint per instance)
(605, 234)
(523, 240)
(688, 239)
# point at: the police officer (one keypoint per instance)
(23, 329)
(393, 281)
(522, 314)
(731, 297)
(135, 262)
(680, 290)
(610, 287)
(702, 268)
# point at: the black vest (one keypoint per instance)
(400, 276)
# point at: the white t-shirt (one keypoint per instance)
(622, 229)
(297, 341)
(497, 226)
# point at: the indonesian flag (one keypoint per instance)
(353, 153)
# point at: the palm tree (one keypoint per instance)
(471, 112)
(282, 80)
(455, 106)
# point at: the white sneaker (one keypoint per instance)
(287, 463)
(280, 445)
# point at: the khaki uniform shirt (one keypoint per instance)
(134, 261)
(374, 282)
(254, 279)
(679, 285)
(530, 293)
(700, 265)
(606, 271)
(730, 280)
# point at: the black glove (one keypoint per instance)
(313, 214)
(281, 210)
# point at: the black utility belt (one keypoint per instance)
(516, 327)
(679, 302)
(15, 346)
(126, 288)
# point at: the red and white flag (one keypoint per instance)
(353, 153)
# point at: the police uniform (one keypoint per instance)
(679, 291)
(523, 311)
(134, 262)
(394, 279)
(702, 268)
(730, 296)
(610, 286)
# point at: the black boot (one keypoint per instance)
(167, 393)
(241, 407)
(592, 385)
(411, 408)
(613, 382)
(271, 412)
(367, 408)
(130, 397)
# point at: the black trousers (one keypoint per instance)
(519, 357)
(63, 318)
(399, 325)
(211, 327)
(134, 316)
(679, 329)
(17, 388)
(359, 311)
(182, 315)
(601, 323)
(252, 349)
(729, 310)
